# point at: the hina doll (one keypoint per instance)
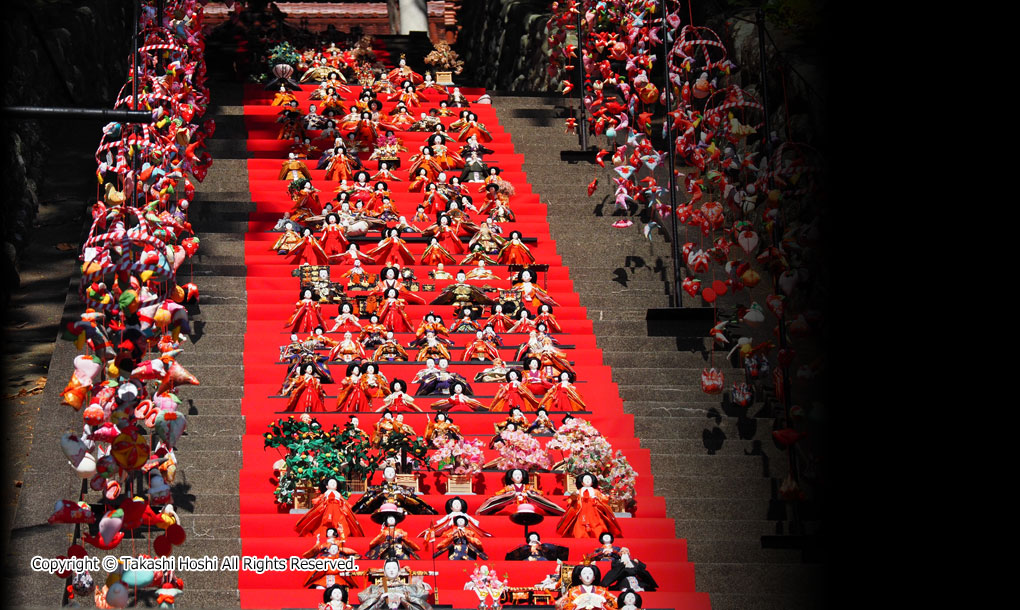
(388, 426)
(385, 173)
(403, 73)
(288, 241)
(435, 254)
(553, 360)
(499, 321)
(458, 218)
(331, 101)
(380, 192)
(480, 349)
(480, 272)
(488, 237)
(513, 395)
(514, 252)
(306, 200)
(408, 96)
(364, 130)
(446, 233)
(393, 590)
(461, 293)
(361, 190)
(606, 550)
(474, 169)
(346, 321)
(478, 255)
(356, 275)
(329, 510)
(391, 493)
(534, 378)
(398, 398)
(439, 273)
(473, 146)
(341, 164)
(439, 431)
(430, 85)
(354, 255)
(516, 491)
(426, 160)
(457, 400)
(435, 200)
(351, 397)
(534, 549)
(588, 513)
(334, 597)
(420, 182)
(348, 350)
(332, 239)
(460, 542)
(402, 119)
(455, 508)
(457, 99)
(332, 548)
(391, 542)
(305, 394)
(432, 323)
(391, 313)
(443, 380)
(446, 158)
(542, 426)
(493, 198)
(308, 251)
(524, 323)
(466, 323)
(307, 315)
(628, 573)
(563, 396)
(530, 292)
(373, 383)
(495, 373)
(585, 592)
(294, 169)
(390, 278)
(291, 124)
(545, 316)
(392, 249)
(629, 600)
(283, 97)
(513, 422)
(390, 351)
(474, 128)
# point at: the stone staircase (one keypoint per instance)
(717, 468)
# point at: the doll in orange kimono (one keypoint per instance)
(420, 181)
(499, 321)
(474, 128)
(332, 548)
(514, 252)
(329, 510)
(389, 277)
(588, 513)
(307, 315)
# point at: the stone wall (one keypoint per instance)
(503, 45)
(56, 53)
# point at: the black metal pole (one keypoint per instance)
(44, 112)
(777, 232)
(677, 299)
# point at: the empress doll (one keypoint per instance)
(530, 292)
(329, 510)
(389, 492)
(588, 513)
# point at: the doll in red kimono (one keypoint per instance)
(329, 510)
(564, 396)
(351, 396)
(305, 393)
(307, 315)
(392, 249)
(514, 252)
(332, 239)
(308, 251)
(392, 315)
(514, 394)
(588, 513)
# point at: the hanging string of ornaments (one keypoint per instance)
(135, 323)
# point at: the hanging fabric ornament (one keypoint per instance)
(711, 381)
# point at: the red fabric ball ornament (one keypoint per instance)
(719, 287)
(76, 550)
(161, 545)
(709, 295)
(176, 534)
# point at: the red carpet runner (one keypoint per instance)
(272, 292)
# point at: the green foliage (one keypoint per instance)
(283, 53)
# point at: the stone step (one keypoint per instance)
(189, 505)
(696, 486)
(652, 410)
(682, 395)
(241, 195)
(657, 358)
(199, 483)
(677, 376)
(747, 509)
(708, 445)
(614, 344)
(207, 459)
(710, 465)
(794, 580)
(737, 601)
(710, 530)
(696, 428)
(739, 551)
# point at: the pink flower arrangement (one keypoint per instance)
(621, 480)
(458, 456)
(521, 450)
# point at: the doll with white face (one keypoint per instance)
(517, 490)
(588, 513)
